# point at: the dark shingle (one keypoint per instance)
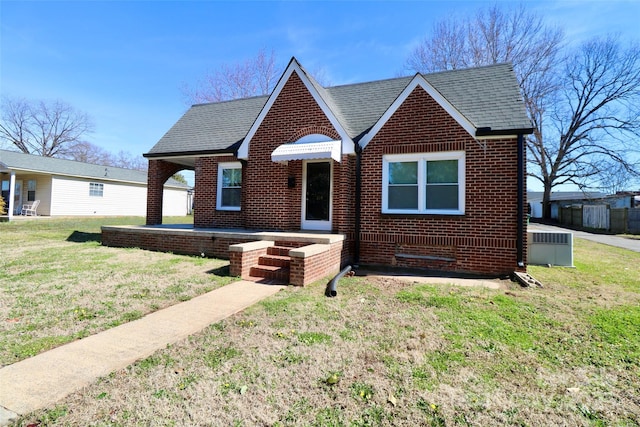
(215, 127)
(487, 96)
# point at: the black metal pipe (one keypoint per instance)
(331, 286)
(521, 174)
(356, 243)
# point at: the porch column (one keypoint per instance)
(12, 194)
(154, 194)
(159, 172)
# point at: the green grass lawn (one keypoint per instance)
(385, 352)
(59, 284)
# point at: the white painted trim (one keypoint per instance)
(221, 167)
(12, 188)
(418, 81)
(348, 146)
(316, 225)
(422, 158)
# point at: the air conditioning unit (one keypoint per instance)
(550, 248)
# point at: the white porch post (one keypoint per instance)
(12, 189)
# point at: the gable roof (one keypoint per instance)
(487, 98)
(318, 93)
(21, 162)
(210, 128)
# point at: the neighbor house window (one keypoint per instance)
(31, 190)
(229, 186)
(426, 183)
(96, 189)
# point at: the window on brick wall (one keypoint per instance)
(229, 186)
(96, 189)
(425, 183)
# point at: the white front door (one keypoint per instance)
(317, 191)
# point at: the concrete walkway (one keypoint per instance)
(43, 380)
(607, 239)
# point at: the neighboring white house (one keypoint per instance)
(70, 188)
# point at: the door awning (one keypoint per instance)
(307, 151)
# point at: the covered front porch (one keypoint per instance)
(296, 258)
(18, 191)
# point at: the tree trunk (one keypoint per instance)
(546, 201)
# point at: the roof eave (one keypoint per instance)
(231, 150)
(487, 131)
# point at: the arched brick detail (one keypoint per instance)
(310, 130)
(159, 172)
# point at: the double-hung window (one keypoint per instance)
(229, 186)
(96, 189)
(425, 183)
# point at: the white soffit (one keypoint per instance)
(308, 151)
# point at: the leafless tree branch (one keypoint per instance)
(42, 128)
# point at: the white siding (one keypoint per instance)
(71, 197)
(174, 202)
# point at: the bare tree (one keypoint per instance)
(38, 127)
(90, 153)
(596, 121)
(87, 152)
(124, 159)
(615, 179)
(584, 114)
(255, 76)
(494, 36)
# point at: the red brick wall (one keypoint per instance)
(307, 270)
(268, 202)
(483, 240)
(205, 214)
(166, 240)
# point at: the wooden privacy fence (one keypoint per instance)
(601, 217)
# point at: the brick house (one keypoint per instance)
(424, 171)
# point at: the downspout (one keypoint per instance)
(356, 243)
(521, 173)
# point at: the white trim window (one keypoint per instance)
(96, 189)
(425, 183)
(229, 186)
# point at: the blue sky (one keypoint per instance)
(124, 62)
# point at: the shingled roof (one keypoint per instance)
(29, 163)
(488, 97)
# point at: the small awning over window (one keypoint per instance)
(307, 151)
